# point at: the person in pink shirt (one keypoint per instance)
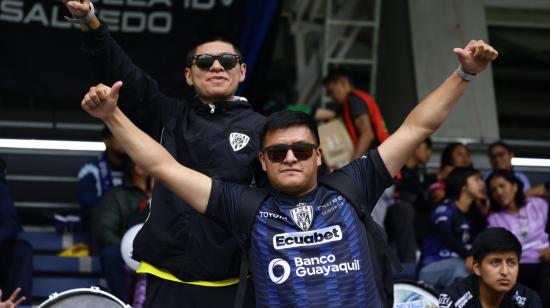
(527, 219)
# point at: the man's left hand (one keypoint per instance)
(475, 57)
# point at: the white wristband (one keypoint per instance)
(465, 75)
(82, 20)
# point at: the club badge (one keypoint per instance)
(238, 141)
(302, 215)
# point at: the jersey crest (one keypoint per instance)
(302, 216)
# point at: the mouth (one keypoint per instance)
(290, 170)
(504, 281)
(217, 78)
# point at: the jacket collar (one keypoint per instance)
(221, 106)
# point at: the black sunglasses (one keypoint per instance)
(205, 61)
(277, 153)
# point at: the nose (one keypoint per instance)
(216, 66)
(505, 269)
(290, 158)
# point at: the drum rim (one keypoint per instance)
(418, 284)
(91, 290)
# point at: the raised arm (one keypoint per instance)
(193, 187)
(80, 9)
(429, 114)
(141, 95)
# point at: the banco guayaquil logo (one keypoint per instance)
(274, 269)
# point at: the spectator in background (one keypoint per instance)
(413, 186)
(364, 124)
(540, 190)
(362, 116)
(96, 177)
(496, 254)
(527, 219)
(455, 224)
(500, 156)
(112, 215)
(15, 255)
(454, 155)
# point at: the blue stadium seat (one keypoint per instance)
(52, 241)
(55, 264)
(44, 286)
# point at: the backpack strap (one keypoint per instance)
(342, 183)
(250, 202)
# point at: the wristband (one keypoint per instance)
(82, 20)
(465, 75)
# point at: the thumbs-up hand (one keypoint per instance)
(475, 57)
(101, 100)
(78, 8)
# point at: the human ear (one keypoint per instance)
(262, 158)
(242, 68)
(188, 76)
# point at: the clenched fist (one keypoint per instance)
(79, 8)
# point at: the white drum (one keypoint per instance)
(411, 294)
(83, 298)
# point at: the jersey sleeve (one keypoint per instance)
(223, 204)
(357, 106)
(372, 175)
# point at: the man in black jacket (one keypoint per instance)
(496, 253)
(186, 256)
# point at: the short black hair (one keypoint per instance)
(447, 153)
(208, 38)
(285, 119)
(456, 180)
(510, 177)
(494, 240)
(336, 74)
(499, 143)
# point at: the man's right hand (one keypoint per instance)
(101, 100)
(79, 8)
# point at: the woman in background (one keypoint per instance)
(527, 219)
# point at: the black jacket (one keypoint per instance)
(204, 138)
(465, 294)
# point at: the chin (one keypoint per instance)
(503, 289)
(291, 187)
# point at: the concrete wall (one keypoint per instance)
(436, 27)
(396, 88)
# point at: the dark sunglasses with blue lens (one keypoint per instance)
(205, 61)
(277, 152)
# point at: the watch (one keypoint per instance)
(465, 75)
